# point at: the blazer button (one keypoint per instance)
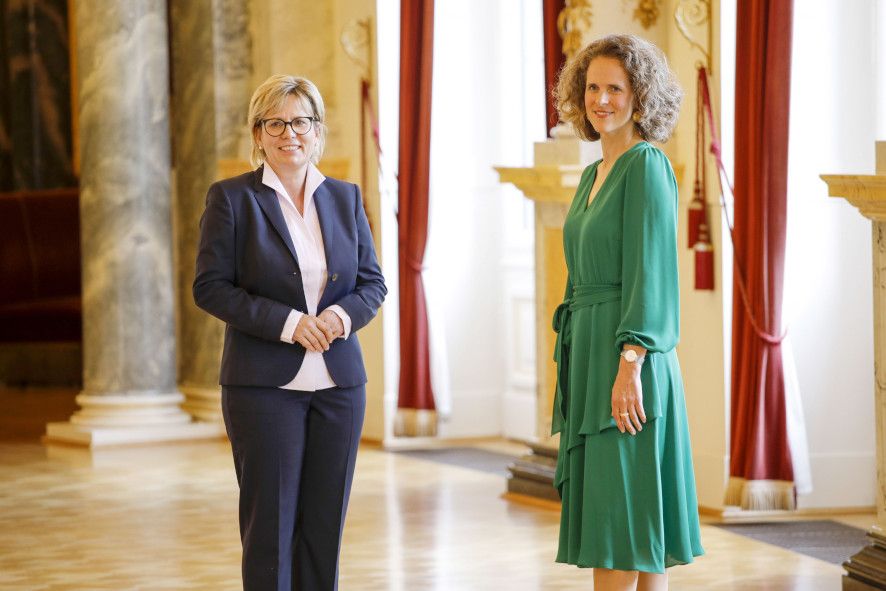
(295, 272)
(334, 276)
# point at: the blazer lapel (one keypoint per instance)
(323, 201)
(267, 200)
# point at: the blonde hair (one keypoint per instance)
(271, 95)
(656, 91)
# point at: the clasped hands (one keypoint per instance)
(316, 333)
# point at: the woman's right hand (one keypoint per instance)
(312, 333)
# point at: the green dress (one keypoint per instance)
(628, 501)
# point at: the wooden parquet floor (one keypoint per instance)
(164, 518)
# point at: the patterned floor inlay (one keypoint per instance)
(164, 518)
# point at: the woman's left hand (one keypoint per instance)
(335, 326)
(627, 398)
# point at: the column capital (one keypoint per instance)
(867, 192)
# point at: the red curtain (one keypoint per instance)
(759, 442)
(416, 60)
(553, 56)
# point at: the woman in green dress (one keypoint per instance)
(624, 470)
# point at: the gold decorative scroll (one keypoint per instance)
(572, 23)
(691, 14)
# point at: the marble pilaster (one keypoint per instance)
(300, 37)
(551, 185)
(129, 375)
(867, 568)
(211, 80)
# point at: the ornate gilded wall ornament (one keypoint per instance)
(647, 12)
(356, 41)
(573, 21)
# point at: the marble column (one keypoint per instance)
(129, 351)
(211, 67)
(867, 568)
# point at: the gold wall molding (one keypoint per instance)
(337, 168)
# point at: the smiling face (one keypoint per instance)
(609, 99)
(288, 153)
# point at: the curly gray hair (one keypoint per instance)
(656, 91)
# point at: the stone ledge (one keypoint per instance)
(117, 436)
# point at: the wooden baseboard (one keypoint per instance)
(737, 515)
(531, 501)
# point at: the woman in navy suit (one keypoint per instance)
(286, 259)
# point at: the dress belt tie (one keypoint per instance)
(583, 296)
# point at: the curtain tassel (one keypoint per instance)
(761, 495)
(697, 215)
(704, 260)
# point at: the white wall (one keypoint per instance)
(828, 299)
(388, 44)
(479, 269)
(704, 339)
(482, 116)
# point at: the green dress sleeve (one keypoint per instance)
(650, 308)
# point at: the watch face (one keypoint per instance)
(630, 355)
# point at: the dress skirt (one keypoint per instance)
(629, 501)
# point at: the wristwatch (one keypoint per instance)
(631, 356)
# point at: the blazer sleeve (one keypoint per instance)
(369, 291)
(650, 305)
(214, 288)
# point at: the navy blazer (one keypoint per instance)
(248, 276)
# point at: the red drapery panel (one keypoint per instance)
(553, 56)
(416, 59)
(759, 442)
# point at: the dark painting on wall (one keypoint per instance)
(35, 96)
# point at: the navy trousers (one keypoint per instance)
(294, 454)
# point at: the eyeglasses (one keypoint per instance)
(276, 127)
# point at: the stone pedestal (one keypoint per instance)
(867, 568)
(129, 353)
(551, 185)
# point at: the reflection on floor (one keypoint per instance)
(164, 518)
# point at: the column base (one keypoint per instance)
(110, 420)
(204, 404)
(867, 568)
(533, 474)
